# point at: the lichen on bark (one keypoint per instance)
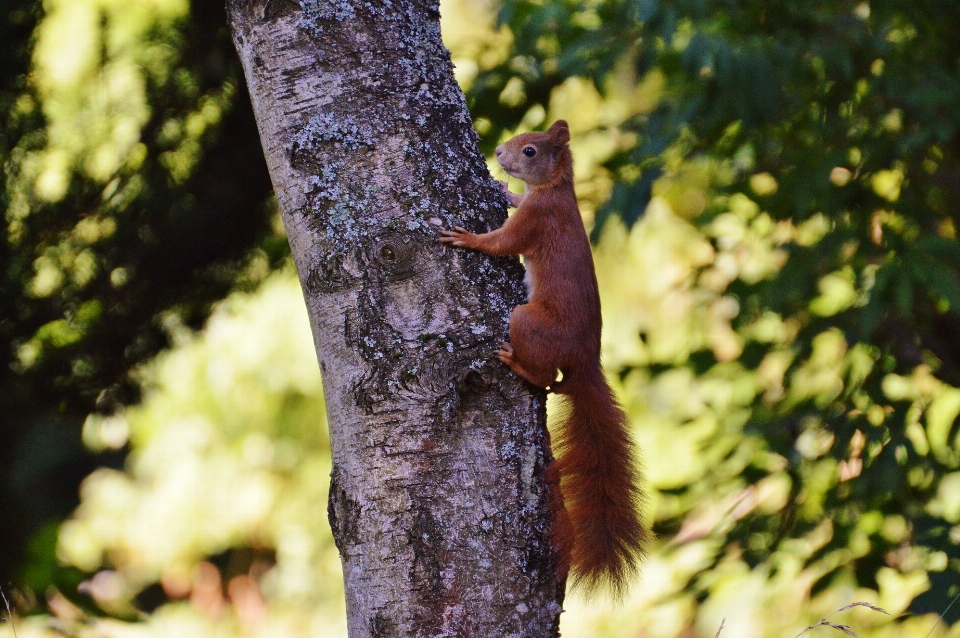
(439, 504)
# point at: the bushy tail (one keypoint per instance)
(601, 539)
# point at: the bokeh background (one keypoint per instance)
(772, 191)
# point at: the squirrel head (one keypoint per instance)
(538, 158)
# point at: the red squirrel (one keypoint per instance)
(599, 533)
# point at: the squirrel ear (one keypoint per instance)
(560, 132)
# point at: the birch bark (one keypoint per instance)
(438, 500)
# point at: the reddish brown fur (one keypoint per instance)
(600, 536)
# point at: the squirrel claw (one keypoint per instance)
(505, 353)
(512, 198)
(458, 236)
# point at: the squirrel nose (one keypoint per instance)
(499, 150)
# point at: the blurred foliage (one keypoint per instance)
(217, 525)
(134, 195)
(771, 186)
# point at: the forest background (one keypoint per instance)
(771, 190)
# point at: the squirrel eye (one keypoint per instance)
(529, 151)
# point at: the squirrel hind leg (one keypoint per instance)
(535, 336)
(539, 376)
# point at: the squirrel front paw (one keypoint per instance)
(460, 237)
(512, 198)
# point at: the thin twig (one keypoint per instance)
(826, 623)
(13, 625)
(844, 628)
(942, 615)
(722, 621)
(862, 604)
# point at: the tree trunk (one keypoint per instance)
(438, 502)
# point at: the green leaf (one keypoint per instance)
(941, 416)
